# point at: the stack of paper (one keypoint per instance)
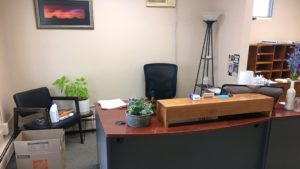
(112, 104)
(215, 90)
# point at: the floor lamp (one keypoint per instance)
(207, 53)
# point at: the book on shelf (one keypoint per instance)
(269, 42)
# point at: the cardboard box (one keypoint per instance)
(40, 149)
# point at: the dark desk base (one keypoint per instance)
(233, 148)
(284, 144)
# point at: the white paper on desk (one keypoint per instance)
(112, 104)
(215, 90)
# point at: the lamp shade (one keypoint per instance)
(210, 16)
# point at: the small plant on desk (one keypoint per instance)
(139, 113)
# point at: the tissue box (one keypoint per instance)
(193, 96)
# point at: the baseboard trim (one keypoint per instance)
(7, 153)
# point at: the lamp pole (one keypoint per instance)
(206, 56)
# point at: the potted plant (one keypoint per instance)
(294, 66)
(139, 113)
(77, 88)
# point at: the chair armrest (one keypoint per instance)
(64, 98)
(29, 110)
(68, 98)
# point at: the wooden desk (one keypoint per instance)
(108, 118)
(172, 111)
(284, 141)
(244, 143)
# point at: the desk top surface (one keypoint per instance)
(237, 98)
(108, 118)
(281, 113)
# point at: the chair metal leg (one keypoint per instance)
(80, 131)
(16, 123)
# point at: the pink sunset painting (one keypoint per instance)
(64, 12)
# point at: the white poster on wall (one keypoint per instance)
(233, 65)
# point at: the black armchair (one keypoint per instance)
(160, 80)
(39, 101)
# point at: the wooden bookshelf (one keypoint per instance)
(269, 60)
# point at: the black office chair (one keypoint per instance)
(39, 101)
(272, 91)
(160, 80)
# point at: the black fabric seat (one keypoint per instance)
(66, 123)
(39, 101)
(160, 80)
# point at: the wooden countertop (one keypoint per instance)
(238, 98)
(171, 111)
(281, 113)
(108, 119)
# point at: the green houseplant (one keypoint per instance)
(139, 113)
(77, 88)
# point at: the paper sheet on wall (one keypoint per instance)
(233, 65)
(112, 104)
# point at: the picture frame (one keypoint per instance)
(161, 3)
(64, 14)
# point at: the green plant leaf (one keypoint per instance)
(140, 107)
(77, 88)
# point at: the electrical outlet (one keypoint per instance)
(7, 127)
(4, 128)
(1, 135)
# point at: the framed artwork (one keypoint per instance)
(161, 3)
(64, 14)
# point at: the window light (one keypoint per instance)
(263, 8)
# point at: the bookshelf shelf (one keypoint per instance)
(269, 60)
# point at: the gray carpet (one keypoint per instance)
(79, 156)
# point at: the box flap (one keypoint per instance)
(39, 141)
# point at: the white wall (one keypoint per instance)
(5, 104)
(190, 34)
(126, 36)
(232, 35)
(284, 25)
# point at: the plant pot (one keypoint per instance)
(84, 106)
(138, 121)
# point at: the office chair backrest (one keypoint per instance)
(160, 80)
(35, 98)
